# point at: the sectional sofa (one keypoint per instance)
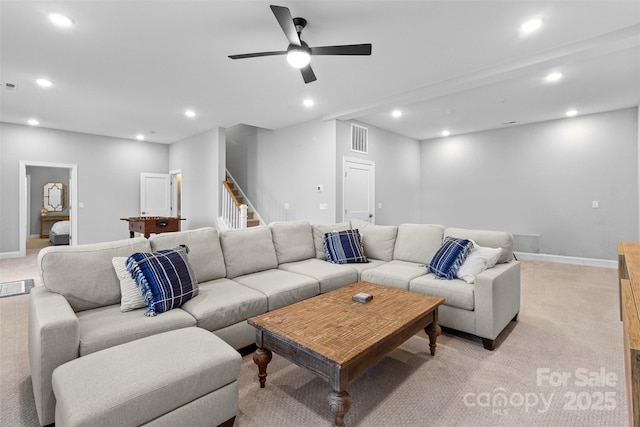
(244, 273)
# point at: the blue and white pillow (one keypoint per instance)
(344, 247)
(447, 260)
(165, 278)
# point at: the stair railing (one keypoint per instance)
(234, 213)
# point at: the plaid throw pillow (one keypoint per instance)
(449, 257)
(344, 247)
(165, 278)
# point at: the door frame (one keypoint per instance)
(370, 163)
(72, 199)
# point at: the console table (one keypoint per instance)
(152, 224)
(629, 282)
(50, 218)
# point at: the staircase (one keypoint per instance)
(237, 211)
(238, 197)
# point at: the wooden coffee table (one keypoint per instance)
(337, 338)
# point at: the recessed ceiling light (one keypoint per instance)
(33, 122)
(44, 82)
(140, 137)
(60, 20)
(396, 113)
(308, 102)
(445, 133)
(571, 113)
(190, 113)
(531, 25)
(553, 77)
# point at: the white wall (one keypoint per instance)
(201, 159)
(285, 166)
(397, 160)
(108, 177)
(540, 179)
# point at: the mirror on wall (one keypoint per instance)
(54, 197)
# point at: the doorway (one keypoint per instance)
(358, 189)
(24, 200)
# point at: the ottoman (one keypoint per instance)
(182, 377)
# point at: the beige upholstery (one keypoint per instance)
(293, 241)
(281, 287)
(418, 242)
(318, 236)
(147, 379)
(329, 276)
(248, 251)
(378, 240)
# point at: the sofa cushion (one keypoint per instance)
(479, 259)
(378, 240)
(223, 302)
(106, 327)
(132, 298)
(395, 274)
(248, 251)
(281, 287)
(448, 259)
(205, 253)
(344, 247)
(418, 242)
(84, 274)
(293, 241)
(488, 238)
(456, 293)
(359, 268)
(164, 277)
(318, 236)
(330, 276)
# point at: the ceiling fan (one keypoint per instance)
(299, 53)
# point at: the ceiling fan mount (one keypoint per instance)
(298, 52)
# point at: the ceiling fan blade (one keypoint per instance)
(257, 54)
(347, 49)
(283, 15)
(307, 74)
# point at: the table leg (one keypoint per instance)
(339, 403)
(433, 330)
(262, 357)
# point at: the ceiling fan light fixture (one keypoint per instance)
(298, 57)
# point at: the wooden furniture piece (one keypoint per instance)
(152, 224)
(50, 218)
(629, 282)
(337, 338)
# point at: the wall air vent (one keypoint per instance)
(359, 139)
(9, 86)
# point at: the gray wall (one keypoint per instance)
(397, 160)
(540, 179)
(40, 176)
(201, 159)
(285, 166)
(108, 177)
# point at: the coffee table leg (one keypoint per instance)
(433, 330)
(339, 403)
(262, 357)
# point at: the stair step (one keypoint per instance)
(253, 222)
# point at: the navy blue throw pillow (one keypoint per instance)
(448, 259)
(164, 277)
(344, 247)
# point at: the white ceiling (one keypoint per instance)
(129, 67)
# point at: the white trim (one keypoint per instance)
(7, 255)
(73, 200)
(590, 262)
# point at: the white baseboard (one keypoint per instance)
(7, 255)
(591, 262)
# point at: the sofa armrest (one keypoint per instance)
(497, 298)
(54, 339)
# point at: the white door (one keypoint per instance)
(155, 194)
(358, 189)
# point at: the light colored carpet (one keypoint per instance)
(568, 326)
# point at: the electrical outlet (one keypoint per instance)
(324, 206)
(595, 204)
(286, 205)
